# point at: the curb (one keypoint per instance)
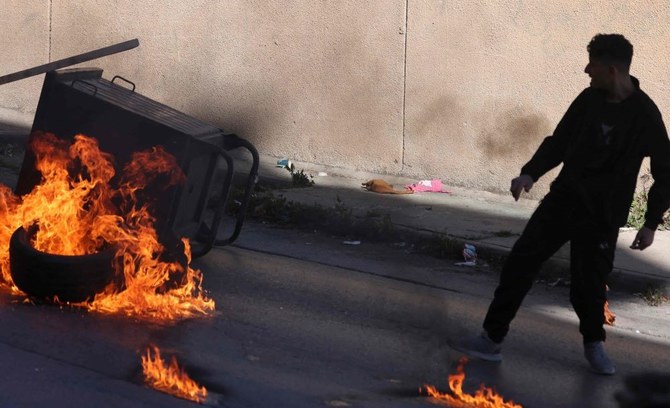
(557, 267)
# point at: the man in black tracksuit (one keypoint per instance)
(601, 142)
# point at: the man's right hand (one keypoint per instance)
(643, 239)
(522, 183)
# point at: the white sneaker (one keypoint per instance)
(596, 356)
(481, 347)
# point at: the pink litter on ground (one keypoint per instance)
(428, 186)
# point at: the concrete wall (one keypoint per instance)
(486, 83)
(24, 42)
(460, 90)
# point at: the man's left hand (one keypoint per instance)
(643, 239)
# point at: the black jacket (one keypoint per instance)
(601, 163)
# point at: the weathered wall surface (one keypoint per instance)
(459, 90)
(24, 42)
(486, 83)
(319, 81)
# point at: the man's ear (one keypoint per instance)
(616, 69)
(612, 69)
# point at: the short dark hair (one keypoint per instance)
(611, 48)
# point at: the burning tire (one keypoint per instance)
(72, 278)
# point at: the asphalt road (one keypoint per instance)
(304, 320)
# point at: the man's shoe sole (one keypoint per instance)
(593, 370)
(495, 358)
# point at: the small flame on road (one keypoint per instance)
(170, 378)
(484, 397)
(610, 317)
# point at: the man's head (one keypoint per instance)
(611, 49)
(610, 56)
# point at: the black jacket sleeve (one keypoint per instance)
(658, 200)
(553, 149)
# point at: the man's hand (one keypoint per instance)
(523, 182)
(643, 239)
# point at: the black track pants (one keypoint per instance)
(555, 222)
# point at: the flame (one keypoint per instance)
(484, 397)
(170, 379)
(610, 316)
(77, 212)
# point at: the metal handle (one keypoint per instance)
(231, 142)
(206, 237)
(124, 80)
(207, 233)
